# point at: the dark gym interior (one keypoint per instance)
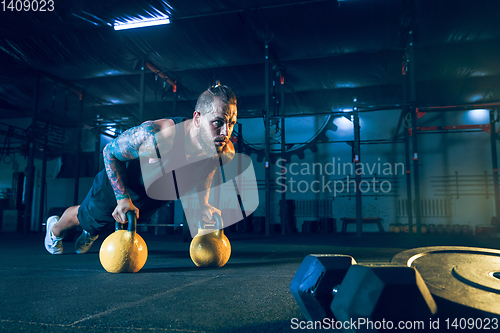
(371, 131)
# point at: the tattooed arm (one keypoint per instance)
(140, 140)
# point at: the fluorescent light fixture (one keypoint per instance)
(110, 130)
(141, 22)
(110, 72)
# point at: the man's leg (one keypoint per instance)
(56, 228)
(68, 220)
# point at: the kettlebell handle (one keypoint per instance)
(132, 222)
(218, 222)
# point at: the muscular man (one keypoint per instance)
(120, 186)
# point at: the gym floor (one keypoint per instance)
(40, 292)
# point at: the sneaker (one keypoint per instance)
(84, 242)
(53, 244)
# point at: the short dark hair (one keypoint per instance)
(206, 99)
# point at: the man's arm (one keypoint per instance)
(206, 210)
(124, 148)
(203, 189)
(129, 145)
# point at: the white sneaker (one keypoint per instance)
(53, 244)
(84, 242)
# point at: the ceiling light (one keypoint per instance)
(141, 22)
(110, 131)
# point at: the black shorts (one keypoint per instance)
(95, 211)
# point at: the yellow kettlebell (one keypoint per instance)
(210, 249)
(124, 250)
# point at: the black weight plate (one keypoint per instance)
(466, 276)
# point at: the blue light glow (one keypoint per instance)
(477, 116)
(475, 98)
(343, 124)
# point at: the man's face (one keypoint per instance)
(217, 126)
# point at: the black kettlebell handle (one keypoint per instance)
(132, 222)
(218, 222)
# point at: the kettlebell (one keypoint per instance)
(124, 250)
(212, 249)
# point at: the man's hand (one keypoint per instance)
(207, 212)
(122, 207)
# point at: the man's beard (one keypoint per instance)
(207, 142)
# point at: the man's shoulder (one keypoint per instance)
(165, 128)
(169, 123)
(159, 134)
(164, 123)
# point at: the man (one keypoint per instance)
(120, 186)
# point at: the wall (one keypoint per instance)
(441, 155)
(59, 191)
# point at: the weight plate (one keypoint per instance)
(466, 276)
